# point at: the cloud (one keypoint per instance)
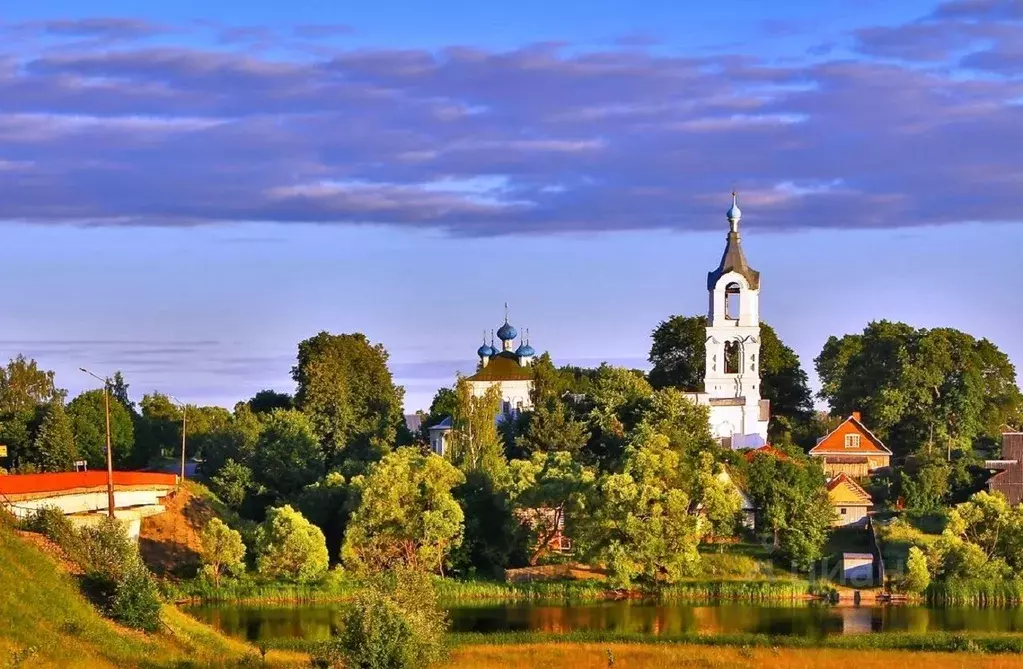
(542, 139)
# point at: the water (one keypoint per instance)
(320, 621)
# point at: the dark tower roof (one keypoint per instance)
(733, 259)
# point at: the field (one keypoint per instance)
(603, 656)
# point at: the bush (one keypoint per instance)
(393, 624)
(289, 546)
(136, 599)
(917, 577)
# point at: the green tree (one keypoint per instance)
(550, 426)
(792, 504)
(289, 546)
(547, 492)
(927, 486)
(119, 391)
(222, 550)
(616, 401)
(678, 355)
(232, 483)
(55, 449)
(939, 390)
(346, 389)
(494, 538)
(24, 391)
(474, 443)
(405, 514)
(88, 420)
(916, 578)
(326, 504)
(158, 431)
(395, 623)
(267, 401)
(287, 456)
(235, 441)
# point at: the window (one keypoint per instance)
(852, 441)
(732, 357)
(732, 292)
(518, 407)
(843, 511)
(506, 407)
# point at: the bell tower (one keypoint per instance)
(732, 375)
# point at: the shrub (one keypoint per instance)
(394, 624)
(222, 550)
(108, 550)
(136, 598)
(289, 546)
(917, 577)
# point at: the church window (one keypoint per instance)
(852, 441)
(506, 407)
(732, 292)
(732, 357)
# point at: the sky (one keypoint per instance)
(189, 189)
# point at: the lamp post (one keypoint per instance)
(184, 431)
(110, 458)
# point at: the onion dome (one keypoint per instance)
(485, 351)
(525, 351)
(734, 213)
(507, 332)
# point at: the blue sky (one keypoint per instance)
(188, 190)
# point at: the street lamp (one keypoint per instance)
(184, 428)
(110, 459)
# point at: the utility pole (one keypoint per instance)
(184, 432)
(110, 457)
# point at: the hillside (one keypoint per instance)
(169, 542)
(47, 622)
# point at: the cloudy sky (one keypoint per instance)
(187, 191)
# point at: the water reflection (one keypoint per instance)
(812, 620)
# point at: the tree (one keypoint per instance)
(405, 514)
(494, 538)
(678, 355)
(54, 448)
(222, 550)
(474, 443)
(547, 492)
(792, 504)
(551, 427)
(266, 401)
(347, 391)
(287, 456)
(395, 623)
(326, 504)
(926, 488)
(289, 546)
(88, 420)
(617, 400)
(232, 483)
(24, 390)
(235, 441)
(938, 390)
(159, 428)
(916, 578)
(119, 391)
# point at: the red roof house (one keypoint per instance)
(851, 449)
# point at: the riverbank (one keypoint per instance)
(339, 587)
(636, 656)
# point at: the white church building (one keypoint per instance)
(731, 381)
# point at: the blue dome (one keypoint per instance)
(525, 351)
(486, 351)
(507, 332)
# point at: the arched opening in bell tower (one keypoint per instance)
(733, 293)
(732, 357)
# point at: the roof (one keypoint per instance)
(844, 491)
(503, 367)
(734, 260)
(833, 443)
(857, 556)
(27, 484)
(445, 424)
(766, 449)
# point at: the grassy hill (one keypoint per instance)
(45, 621)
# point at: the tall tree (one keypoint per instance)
(550, 427)
(54, 448)
(235, 441)
(265, 401)
(936, 389)
(287, 456)
(88, 420)
(678, 355)
(119, 391)
(345, 388)
(474, 443)
(405, 514)
(24, 391)
(158, 431)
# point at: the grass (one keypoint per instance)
(976, 592)
(610, 655)
(46, 622)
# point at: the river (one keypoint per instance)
(319, 621)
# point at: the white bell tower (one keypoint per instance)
(732, 375)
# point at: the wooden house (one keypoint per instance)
(851, 502)
(1008, 479)
(851, 449)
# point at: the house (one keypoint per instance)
(858, 568)
(851, 449)
(767, 449)
(1009, 477)
(747, 507)
(851, 502)
(439, 436)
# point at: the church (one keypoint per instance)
(731, 381)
